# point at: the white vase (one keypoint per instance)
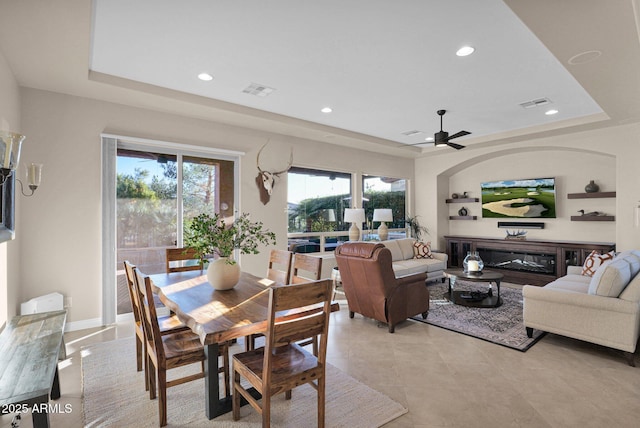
(223, 275)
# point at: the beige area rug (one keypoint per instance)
(114, 396)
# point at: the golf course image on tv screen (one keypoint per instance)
(528, 198)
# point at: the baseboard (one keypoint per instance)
(83, 324)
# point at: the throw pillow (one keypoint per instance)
(610, 278)
(594, 261)
(422, 250)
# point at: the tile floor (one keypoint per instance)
(446, 379)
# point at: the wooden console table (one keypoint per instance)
(557, 254)
(29, 350)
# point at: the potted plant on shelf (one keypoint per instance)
(211, 237)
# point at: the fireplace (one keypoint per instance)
(519, 260)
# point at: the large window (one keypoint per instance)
(316, 203)
(317, 199)
(385, 192)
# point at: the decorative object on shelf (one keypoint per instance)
(520, 234)
(592, 187)
(592, 213)
(355, 216)
(472, 263)
(10, 145)
(465, 195)
(416, 228)
(266, 179)
(211, 236)
(463, 212)
(382, 215)
(454, 196)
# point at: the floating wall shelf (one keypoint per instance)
(593, 218)
(462, 200)
(591, 195)
(463, 217)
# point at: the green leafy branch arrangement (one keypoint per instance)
(210, 235)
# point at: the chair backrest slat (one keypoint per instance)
(295, 331)
(182, 255)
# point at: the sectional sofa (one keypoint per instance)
(602, 309)
(405, 262)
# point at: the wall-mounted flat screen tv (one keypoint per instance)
(528, 198)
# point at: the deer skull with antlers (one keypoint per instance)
(266, 179)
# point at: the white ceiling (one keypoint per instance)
(384, 67)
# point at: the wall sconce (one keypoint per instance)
(10, 145)
(382, 215)
(34, 176)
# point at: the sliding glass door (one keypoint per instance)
(158, 191)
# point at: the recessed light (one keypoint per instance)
(551, 112)
(465, 50)
(205, 76)
(429, 139)
(327, 110)
(584, 57)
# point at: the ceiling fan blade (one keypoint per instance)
(459, 134)
(456, 146)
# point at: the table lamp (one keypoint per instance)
(382, 215)
(354, 216)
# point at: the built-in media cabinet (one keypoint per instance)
(524, 261)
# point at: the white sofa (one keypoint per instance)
(404, 263)
(603, 309)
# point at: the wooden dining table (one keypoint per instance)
(219, 316)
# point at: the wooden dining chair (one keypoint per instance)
(305, 268)
(283, 364)
(187, 257)
(279, 266)
(168, 351)
(167, 324)
(279, 271)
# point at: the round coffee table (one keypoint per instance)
(477, 299)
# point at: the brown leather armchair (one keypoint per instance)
(372, 289)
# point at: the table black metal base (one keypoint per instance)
(474, 299)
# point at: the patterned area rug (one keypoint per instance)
(114, 396)
(502, 325)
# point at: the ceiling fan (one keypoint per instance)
(442, 138)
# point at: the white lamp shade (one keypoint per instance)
(329, 215)
(382, 214)
(354, 215)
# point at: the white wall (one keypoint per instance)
(60, 227)
(607, 156)
(9, 121)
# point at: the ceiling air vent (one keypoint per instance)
(258, 90)
(412, 133)
(535, 103)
